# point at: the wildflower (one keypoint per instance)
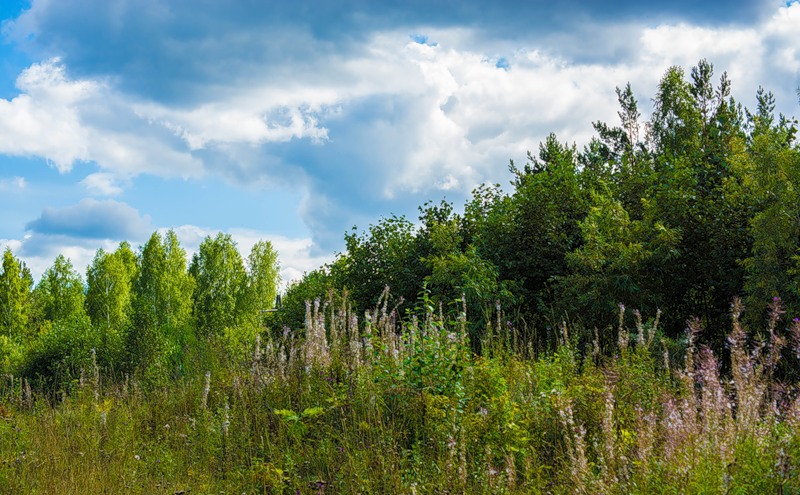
(136, 457)
(451, 443)
(226, 420)
(206, 389)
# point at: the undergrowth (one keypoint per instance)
(384, 404)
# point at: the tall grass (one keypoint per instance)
(384, 404)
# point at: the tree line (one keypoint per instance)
(136, 311)
(675, 215)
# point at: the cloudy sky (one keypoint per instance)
(294, 121)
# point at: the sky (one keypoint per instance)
(295, 121)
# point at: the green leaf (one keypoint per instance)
(313, 412)
(287, 414)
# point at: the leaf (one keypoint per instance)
(313, 412)
(287, 414)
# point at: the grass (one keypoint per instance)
(402, 406)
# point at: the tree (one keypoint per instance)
(617, 159)
(15, 296)
(66, 340)
(162, 299)
(695, 138)
(177, 284)
(108, 297)
(59, 295)
(773, 267)
(529, 233)
(384, 255)
(163, 288)
(221, 281)
(263, 277)
(619, 262)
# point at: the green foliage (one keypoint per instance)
(409, 409)
(59, 296)
(385, 255)
(774, 177)
(263, 277)
(11, 354)
(65, 350)
(438, 353)
(538, 224)
(108, 299)
(618, 261)
(163, 289)
(221, 283)
(15, 296)
(314, 285)
(162, 302)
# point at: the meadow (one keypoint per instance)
(400, 404)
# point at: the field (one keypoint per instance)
(382, 404)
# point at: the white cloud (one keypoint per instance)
(226, 124)
(463, 115)
(782, 33)
(64, 121)
(102, 184)
(429, 117)
(44, 119)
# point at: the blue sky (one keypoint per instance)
(294, 121)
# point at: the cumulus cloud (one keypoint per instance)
(44, 119)
(102, 184)
(377, 120)
(66, 120)
(92, 219)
